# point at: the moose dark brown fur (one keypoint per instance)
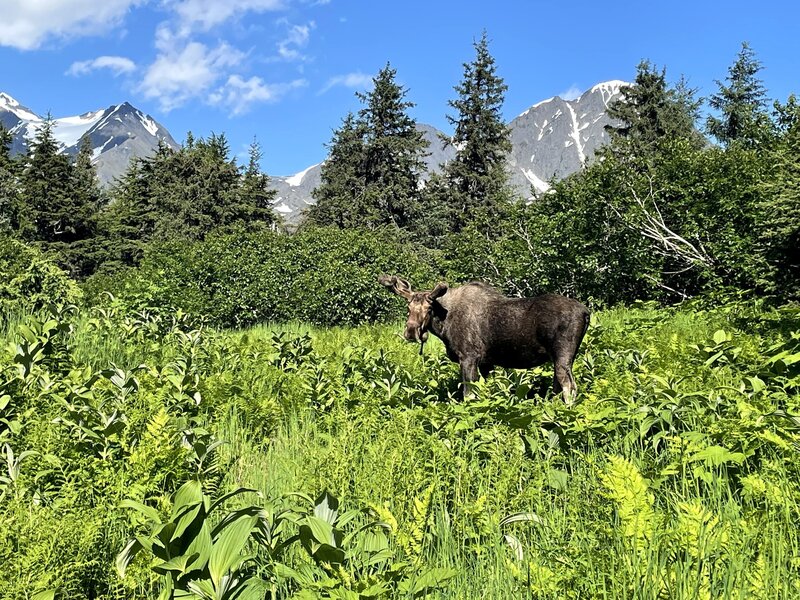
(482, 329)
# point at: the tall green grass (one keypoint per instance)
(671, 477)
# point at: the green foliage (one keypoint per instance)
(476, 179)
(779, 211)
(325, 276)
(741, 104)
(195, 558)
(184, 195)
(650, 112)
(29, 280)
(673, 471)
(60, 199)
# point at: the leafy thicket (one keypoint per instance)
(29, 281)
(144, 456)
(324, 276)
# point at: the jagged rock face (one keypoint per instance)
(116, 134)
(556, 137)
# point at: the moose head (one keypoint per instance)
(420, 306)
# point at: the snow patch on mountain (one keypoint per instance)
(11, 105)
(297, 179)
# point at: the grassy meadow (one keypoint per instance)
(356, 471)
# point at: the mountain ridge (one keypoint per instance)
(550, 140)
(116, 134)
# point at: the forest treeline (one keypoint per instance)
(676, 205)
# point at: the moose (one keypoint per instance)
(482, 329)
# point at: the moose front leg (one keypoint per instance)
(469, 374)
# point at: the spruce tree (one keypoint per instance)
(340, 194)
(255, 198)
(650, 112)
(46, 182)
(11, 215)
(61, 199)
(394, 150)
(371, 177)
(184, 194)
(741, 104)
(476, 178)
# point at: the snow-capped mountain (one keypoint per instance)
(116, 134)
(552, 139)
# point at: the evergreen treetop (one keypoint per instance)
(741, 103)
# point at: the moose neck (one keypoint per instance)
(437, 319)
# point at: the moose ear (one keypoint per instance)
(397, 285)
(439, 291)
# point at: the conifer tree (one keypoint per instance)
(11, 215)
(477, 177)
(62, 200)
(371, 177)
(46, 182)
(393, 153)
(185, 193)
(741, 103)
(340, 194)
(255, 197)
(650, 112)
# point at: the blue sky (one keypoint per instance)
(286, 71)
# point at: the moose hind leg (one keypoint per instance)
(564, 381)
(469, 374)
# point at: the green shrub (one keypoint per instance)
(29, 280)
(325, 276)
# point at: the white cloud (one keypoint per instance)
(350, 80)
(572, 93)
(117, 64)
(185, 69)
(27, 24)
(296, 39)
(239, 94)
(203, 15)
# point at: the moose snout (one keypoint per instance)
(414, 333)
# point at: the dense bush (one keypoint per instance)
(29, 280)
(675, 471)
(324, 276)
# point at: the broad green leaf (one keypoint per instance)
(45, 595)
(321, 529)
(429, 580)
(127, 554)
(717, 455)
(185, 520)
(177, 564)
(326, 507)
(526, 516)
(201, 545)
(189, 493)
(557, 479)
(226, 548)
